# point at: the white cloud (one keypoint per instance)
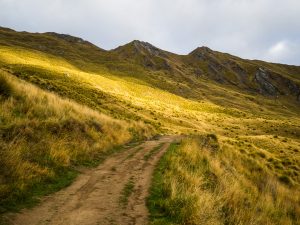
(282, 51)
(278, 49)
(241, 27)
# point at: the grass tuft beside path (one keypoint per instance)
(200, 181)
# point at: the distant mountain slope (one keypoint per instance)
(184, 75)
(267, 78)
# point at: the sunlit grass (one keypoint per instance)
(199, 182)
(44, 136)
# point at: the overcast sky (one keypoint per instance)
(255, 29)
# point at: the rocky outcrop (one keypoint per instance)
(145, 54)
(68, 38)
(263, 80)
(274, 84)
(235, 67)
(215, 68)
(145, 46)
(292, 87)
(201, 52)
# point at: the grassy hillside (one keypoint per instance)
(251, 106)
(42, 138)
(190, 76)
(204, 181)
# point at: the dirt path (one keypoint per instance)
(114, 193)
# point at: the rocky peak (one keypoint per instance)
(145, 46)
(67, 37)
(201, 51)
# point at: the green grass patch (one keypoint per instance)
(133, 153)
(126, 192)
(153, 151)
(30, 198)
(157, 192)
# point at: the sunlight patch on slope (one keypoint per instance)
(139, 94)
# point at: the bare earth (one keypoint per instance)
(94, 197)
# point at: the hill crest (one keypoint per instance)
(202, 63)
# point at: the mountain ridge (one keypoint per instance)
(65, 35)
(269, 79)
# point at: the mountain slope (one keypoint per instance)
(42, 138)
(267, 78)
(250, 106)
(146, 62)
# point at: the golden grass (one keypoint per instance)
(41, 135)
(201, 183)
(238, 115)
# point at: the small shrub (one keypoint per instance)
(211, 141)
(6, 89)
(242, 151)
(285, 179)
(261, 154)
(213, 137)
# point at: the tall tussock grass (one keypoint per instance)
(199, 182)
(44, 137)
(5, 88)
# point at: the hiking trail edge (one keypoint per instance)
(114, 193)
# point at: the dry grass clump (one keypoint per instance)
(199, 184)
(5, 88)
(43, 136)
